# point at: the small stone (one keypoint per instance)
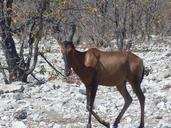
(19, 96)
(67, 116)
(56, 126)
(21, 114)
(161, 105)
(45, 88)
(11, 88)
(159, 117)
(82, 91)
(42, 124)
(58, 87)
(168, 54)
(36, 117)
(5, 118)
(18, 124)
(50, 125)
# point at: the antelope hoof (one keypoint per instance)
(88, 125)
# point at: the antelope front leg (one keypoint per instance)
(89, 108)
(91, 93)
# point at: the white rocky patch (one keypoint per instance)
(58, 104)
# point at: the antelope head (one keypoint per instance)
(67, 48)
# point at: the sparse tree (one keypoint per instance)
(98, 22)
(19, 66)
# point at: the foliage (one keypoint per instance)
(42, 70)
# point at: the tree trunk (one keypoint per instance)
(13, 60)
(8, 45)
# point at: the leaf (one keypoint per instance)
(91, 9)
(42, 70)
(53, 75)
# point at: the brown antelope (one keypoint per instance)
(95, 67)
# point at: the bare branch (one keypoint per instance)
(30, 42)
(35, 55)
(38, 36)
(57, 72)
(39, 82)
(33, 75)
(32, 20)
(25, 23)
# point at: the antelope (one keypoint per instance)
(95, 67)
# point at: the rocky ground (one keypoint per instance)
(58, 104)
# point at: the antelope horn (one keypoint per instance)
(72, 33)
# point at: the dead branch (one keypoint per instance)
(57, 72)
(36, 48)
(39, 82)
(32, 20)
(33, 75)
(35, 57)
